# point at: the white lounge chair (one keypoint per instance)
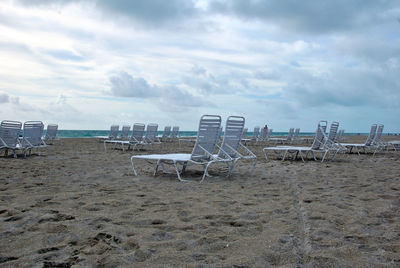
(174, 133)
(9, 134)
(365, 145)
(231, 144)
(51, 133)
(150, 136)
(125, 132)
(288, 139)
(136, 138)
(377, 143)
(166, 134)
(202, 153)
(316, 147)
(32, 137)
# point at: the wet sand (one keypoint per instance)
(80, 206)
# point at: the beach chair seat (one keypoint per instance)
(51, 133)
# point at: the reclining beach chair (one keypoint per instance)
(9, 134)
(166, 134)
(288, 139)
(365, 145)
(174, 133)
(202, 153)
(137, 136)
(113, 132)
(32, 137)
(231, 148)
(125, 132)
(263, 136)
(316, 147)
(150, 136)
(377, 143)
(51, 133)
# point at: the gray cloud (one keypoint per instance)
(310, 16)
(125, 85)
(155, 12)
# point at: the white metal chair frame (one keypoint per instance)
(9, 133)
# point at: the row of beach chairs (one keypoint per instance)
(32, 137)
(331, 144)
(139, 138)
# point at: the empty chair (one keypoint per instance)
(363, 146)
(316, 147)
(231, 148)
(113, 132)
(174, 133)
(150, 136)
(9, 134)
(136, 138)
(125, 132)
(51, 133)
(166, 134)
(288, 139)
(202, 153)
(32, 137)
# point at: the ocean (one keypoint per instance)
(93, 133)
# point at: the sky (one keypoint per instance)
(87, 64)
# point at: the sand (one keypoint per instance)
(78, 206)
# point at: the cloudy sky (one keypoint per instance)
(86, 64)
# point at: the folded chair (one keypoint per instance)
(32, 137)
(9, 134)
(137, 136)
(365, 145)
(316, 147)
(202, 153)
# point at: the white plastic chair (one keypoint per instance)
(9, 134)
(202, 153)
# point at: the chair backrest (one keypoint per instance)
(151, 133)
(333, 132)
(51, 132)
(263, 134)
(207, 137)
(9, 133)
(319, 135)
(270, 132)
(113, 132)
(244, 133)
(371, 135)
(339, 135)
(378, 135)
(290, 135)
(256, 132)
(232, 137)
(137, 132)
(167, 132)
(125, 132)
(296, 133)
(33, 131)
(175, 132)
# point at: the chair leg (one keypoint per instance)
(133, 166)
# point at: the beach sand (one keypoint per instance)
(80, 206)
